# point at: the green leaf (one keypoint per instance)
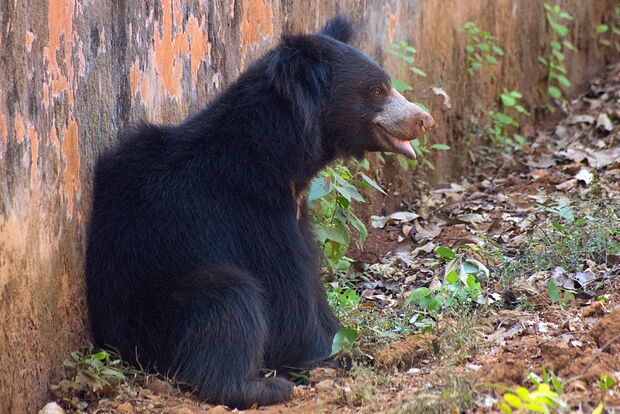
(504, 408)
(470, 268)
(337, 234)
(418, 295)
(344, 338)
(513, 400)
(563, 80)
(602, 28)
(349, 192)
(418, 71)
(498, 50)
(360, 227)
(567, 44)
(554, 291)
(559, 28)
(423, 107)
(319, 188)
(101, 356)
(440, 147)
(401, 86)
(508, 100)
(372, 183)
(445, 253)
(491, 59)
(599, 408)
(566, 212)
(554, 92)
(452, 277)
(559, 55)
(504, 119)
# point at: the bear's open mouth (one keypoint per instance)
(395, 144)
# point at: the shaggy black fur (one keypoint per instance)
(197, 265)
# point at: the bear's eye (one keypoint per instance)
(377, 91)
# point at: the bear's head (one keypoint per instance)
(344, 97)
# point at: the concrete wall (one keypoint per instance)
(74, 72)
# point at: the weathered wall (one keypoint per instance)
(74, 72)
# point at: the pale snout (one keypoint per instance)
(401, 121)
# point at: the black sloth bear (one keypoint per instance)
(201, 262)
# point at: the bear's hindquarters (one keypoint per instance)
(218, 347)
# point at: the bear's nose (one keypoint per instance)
(425, 122)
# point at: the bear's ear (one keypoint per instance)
(339, 28)
(299, 73)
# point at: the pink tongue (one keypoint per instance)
(404, 147)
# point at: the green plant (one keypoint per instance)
(576, 233)
(94, 371)
(343, 298)
(545, 398)
(605, 383)
(332, 194)
(481, 48)
(406, 53)
(462, 287)
(557, 73)
(344, 339)
(558, 294)
(504, 123)
(541, 400)
(548, 378)
(609, 33)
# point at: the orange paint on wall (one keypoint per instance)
(257, 21)
(53, 136)
(172, 47)
(72, 162)
(166, 52)
(20, 128)
(60, 22)
(134, 77)
(200, 48)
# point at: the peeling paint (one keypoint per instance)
(257, 23)
(167, 47)
(60, 23)
(173, 45)
(70, 152)
(200, 48)
(19, 128)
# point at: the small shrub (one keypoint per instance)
(557, 73)
(609, 33)
(504, 124)
(332, 195)
(481, 48)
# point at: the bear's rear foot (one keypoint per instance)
(260, 392)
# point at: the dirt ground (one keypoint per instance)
(467, 363)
